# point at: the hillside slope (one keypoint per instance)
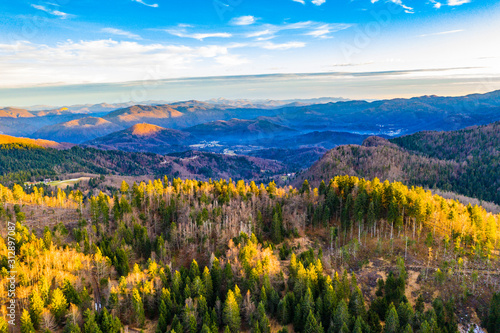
(379, 158)
(145, 137)
(23, 162)
(465, 161)
(7, 139)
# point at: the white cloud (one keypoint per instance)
(457, 2)
(283, 46)
(437, 4)
(231, 60)
(259, 33)
(155, 5)
(182, 32)
(106, 61)
(243, 20)
(323, 30)
(314, 2)
(442, 33)
(120, 32)
(53, 12)
(407, 9)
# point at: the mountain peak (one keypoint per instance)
(145, 129)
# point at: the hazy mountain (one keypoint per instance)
(145, 137)
(239, 130)
(270, 103)
(77, 131)
(156, 114)
(397, 116)
(15, 113)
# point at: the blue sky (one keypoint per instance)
(403, 47)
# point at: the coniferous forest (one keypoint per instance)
(174, 255)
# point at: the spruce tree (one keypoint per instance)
(391, 320)
(231, 313)
(26, 323)
(58, 305)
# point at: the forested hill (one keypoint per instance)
(222, 256)
(477, 142)
(379, 158)
(477, 149)
(465, 161)
(23, 162)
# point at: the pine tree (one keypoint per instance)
(311, 325)
(36, 308)
(276, 227)
(162, 319)
(357, 304)
(391, 320)
(231, 313)
(90, 325)
(4, 327)
(58, 305)
(408, 329)
(341, 316)
(26, 323)
(358, 328)
(207, 283)
(72, 328)
(494, 315)
(138, 307)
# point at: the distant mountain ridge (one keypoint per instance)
(78, 130)
(240, 130)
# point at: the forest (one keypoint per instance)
(176, 255)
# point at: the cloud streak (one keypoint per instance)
(54, 12)
(243, 20)
(119, 32)
(154, 5)
(182, 31)
(314, 2)
(442, 33)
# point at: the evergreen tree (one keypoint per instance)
(36, 308)
(231, 313)
(4, 327)
(493, 324)
(408, 329)
(90, 325)
(341, 316)
(26, 323)
(138, 307)
(311, 325)
(58, 305)
(391, 320)
(162, 319)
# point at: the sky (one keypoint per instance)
(60, 52)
